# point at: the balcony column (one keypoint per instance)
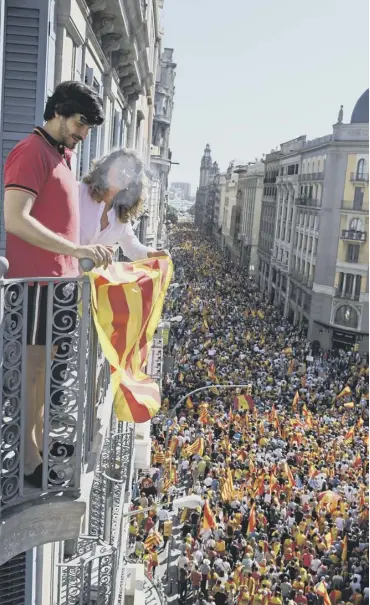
(344, 284)
(354, 286)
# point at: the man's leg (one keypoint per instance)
(34, 407)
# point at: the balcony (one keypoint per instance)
(311, 176)
(339, 293)
(306, 201)
(353, 206)
(356, 236)
(88, 454)
(359, 177)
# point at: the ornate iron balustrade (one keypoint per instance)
(59, 385)
(360, 177)
(350, 234)
(87, 576)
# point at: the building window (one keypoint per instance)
(360, 169)
(353, 252)
(346, 316)
(356, 224)
(359, 198)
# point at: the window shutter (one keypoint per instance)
(13, 581)
(22, 86)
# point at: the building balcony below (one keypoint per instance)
(355, 236)
(355, 206)
(359, 177)
(308, 202)
(69, 419)
(347, 294)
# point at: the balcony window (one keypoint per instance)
(360, 169)
(353, 252)
(346, 316)
(359, 198)
(356, 224)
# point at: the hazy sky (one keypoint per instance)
(252, 74)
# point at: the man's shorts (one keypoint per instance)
(64, 318)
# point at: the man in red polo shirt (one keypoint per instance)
(41, 212)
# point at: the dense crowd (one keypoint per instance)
(281, 464)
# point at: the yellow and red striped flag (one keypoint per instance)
(195, 448)
(348, 437)
(345, 548)
(252, 523)
(357, 461)
(289, 475)
(344, 392)
(126, 302)
(209, 521)
(173, 445)
(323, 593)
(227, 490)
(153, 540)
(328, 500)
(204, 416)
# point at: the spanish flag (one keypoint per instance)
(244, 402)
(323, 593)
(345, 548)
(126, 302)
(328, 500)
(344, 392)
(209, 521)
(252, 520)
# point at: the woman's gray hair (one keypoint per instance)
(129, 174)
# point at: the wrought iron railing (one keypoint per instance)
(44, 395)
(351, 234)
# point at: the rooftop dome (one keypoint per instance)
(360, 114)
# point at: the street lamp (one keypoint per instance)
(172, 412)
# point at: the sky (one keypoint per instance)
(252, 74)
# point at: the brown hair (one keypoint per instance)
(129, 200)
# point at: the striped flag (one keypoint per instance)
(209, 521)
(295, 401)
(227, 490)
(252, 523)
(289, 475)
(153, 540)
(204, 416)
(328, 500)
(348, 437)
(195, 448)
(126, 302)
(173, 445)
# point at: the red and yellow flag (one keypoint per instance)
(153, 540)
(209, 521)
(252, 520)
(328, 500)
(195, 448)
(289, 475)
(126, 302)
(323, 593)
(204, 416)
(348, 437)
(344, 392)
(227, 490)
(189, 404)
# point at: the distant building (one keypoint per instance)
(250, 190)
(206, 193)
(182, 190)
(318, 269)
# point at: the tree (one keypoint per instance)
(172, 216)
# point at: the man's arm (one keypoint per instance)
(18, 221)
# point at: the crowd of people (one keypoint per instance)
(281, 464)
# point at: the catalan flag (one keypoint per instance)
(126, 302)
(173, 445)
(252, 523)
(153, 540)
(195, 448)
(209, 521)
(323, 593)
(349, 405)
(227, 490)
(348, 437)
(204, 416)
(344, 392)
(289, 475)
(295, 401)
(260, 315)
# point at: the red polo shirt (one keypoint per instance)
(37, 164)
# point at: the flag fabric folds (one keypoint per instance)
(126, 302)
(344, 392)
(345, 548)
(195, 448)
(227, 490)
(252, 523)
(209, 521)
(322, 592)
